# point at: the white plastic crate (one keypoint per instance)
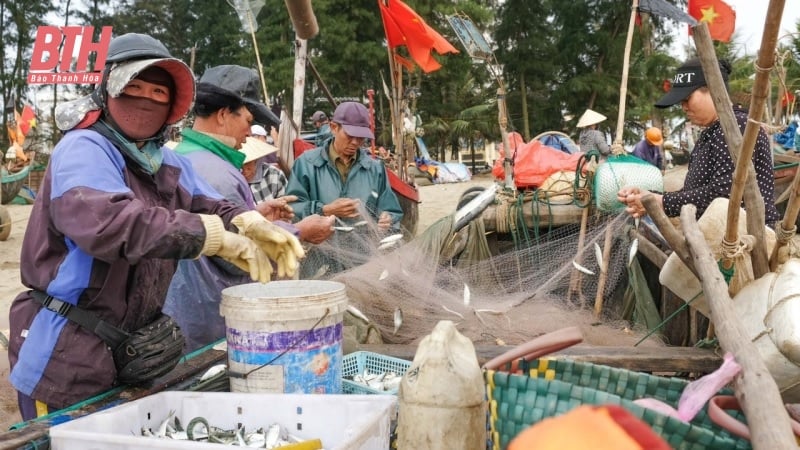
(340, 421)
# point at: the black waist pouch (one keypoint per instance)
(150, 351)
(140, 356)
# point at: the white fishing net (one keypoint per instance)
(530, 288)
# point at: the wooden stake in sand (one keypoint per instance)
(755, 388)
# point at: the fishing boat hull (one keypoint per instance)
(12, 183)
(408, 196)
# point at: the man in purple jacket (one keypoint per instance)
(115, 214)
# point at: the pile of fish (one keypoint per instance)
(198, 429)
(385, 382)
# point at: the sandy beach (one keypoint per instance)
(438, 201)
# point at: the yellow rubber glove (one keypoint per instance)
(280, 245)
(236, 249)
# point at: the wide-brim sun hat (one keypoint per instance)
(254, 149)
(590, 118)
(86, 110)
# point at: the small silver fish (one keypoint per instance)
(357, 312)
(633, 250)
(581, 268)
(467, 295)
(384, 275)
(162, 429)
(345, 229)
(273, 435)
(391, 239)
(213, 371)
(398, 319)
(321, 271)
(374, 194)
(360, 223)
(598, 254)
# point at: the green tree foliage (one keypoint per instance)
(569, 57)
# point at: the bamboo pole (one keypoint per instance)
(321, 82)
(755, 388)
(575, 278)
(623, 86)
(601, 282)
(744, 178)
(258, 57)
(787, 228)
(616, 149)
(502, 120)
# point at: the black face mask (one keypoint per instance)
(138, 118)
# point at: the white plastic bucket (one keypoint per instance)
(285, 336)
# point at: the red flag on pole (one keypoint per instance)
(718, 15)
(403, 26)
(26, 120)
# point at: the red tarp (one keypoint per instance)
(534, 162)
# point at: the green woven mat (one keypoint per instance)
(517, 401)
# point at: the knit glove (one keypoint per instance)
(280, 245)
(234, 248)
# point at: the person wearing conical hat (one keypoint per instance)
(591, 138)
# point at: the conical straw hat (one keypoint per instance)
(590, 118)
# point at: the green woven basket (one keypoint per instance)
(553, 387)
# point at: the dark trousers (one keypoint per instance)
(27, 407)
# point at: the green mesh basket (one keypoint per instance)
(621, 171)
(553, 387)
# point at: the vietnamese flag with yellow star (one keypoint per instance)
(26, 120)
(718, 16)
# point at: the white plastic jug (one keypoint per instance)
(770, 312)
(442, 395)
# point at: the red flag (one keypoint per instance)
(26, 120)
(718, 15)
(405, 27)
(404, 62)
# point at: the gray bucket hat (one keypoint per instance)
(86, 110)
(242, 83)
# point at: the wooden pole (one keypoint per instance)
(623, 86)
(744, 178)
(502, 120)
(575, 278)
(787, 228)
(322, 84)
(396, 107)
(601, 282)
(673, 237)
(289, 126)
(755, 388)
(258, 57)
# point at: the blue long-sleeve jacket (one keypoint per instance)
(106, 236)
